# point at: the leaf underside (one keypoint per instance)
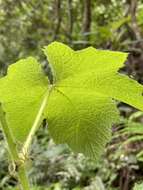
(81, 108)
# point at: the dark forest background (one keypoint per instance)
(28, 25)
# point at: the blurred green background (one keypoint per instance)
(28, 25)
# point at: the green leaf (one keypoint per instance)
(81, 108)
(96, 71)
(81, 119)
(22, 91)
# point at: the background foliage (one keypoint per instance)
(27, 26)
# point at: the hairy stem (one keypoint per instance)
(13, 152)
(37, 121)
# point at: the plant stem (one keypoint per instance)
(23, 178)
(13, 151)
(37, 121)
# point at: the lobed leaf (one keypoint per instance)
(81, 107)
(21, 93)
(86, 82)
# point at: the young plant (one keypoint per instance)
(78, 105)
